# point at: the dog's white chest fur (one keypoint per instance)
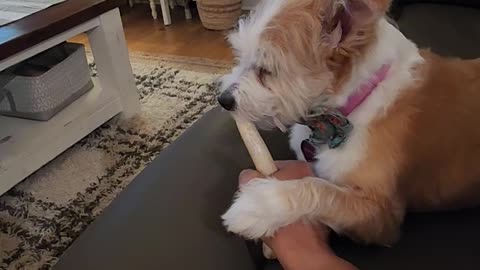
(332, 164)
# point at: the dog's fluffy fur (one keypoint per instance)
(415, 141)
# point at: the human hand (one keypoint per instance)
(296, 244)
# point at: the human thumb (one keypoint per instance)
(247, 175)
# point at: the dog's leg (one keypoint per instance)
(298, 133)
(265, 205)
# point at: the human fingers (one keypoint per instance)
(247, 175)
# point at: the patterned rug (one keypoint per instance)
(43, 215)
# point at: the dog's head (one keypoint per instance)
(295, 54)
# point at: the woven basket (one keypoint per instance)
(219, 14)
(40, 97)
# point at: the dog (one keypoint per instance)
(411, 134)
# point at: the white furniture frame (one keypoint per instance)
(27, 145)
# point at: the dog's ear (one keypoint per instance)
(346, 17)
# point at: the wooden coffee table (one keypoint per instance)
(26, 145)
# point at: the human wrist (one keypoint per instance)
(311, 259)
(299, 245)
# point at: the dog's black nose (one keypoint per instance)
(227, 100)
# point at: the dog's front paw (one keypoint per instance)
(260, 208)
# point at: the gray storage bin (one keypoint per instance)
(41, 95)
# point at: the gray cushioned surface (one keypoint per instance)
(447, 30)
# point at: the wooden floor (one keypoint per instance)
(183, 37)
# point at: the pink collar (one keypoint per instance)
(364, 90)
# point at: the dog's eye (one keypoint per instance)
(262, 73)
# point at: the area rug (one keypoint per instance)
(44, 214)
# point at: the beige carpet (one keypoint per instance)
(43, 215)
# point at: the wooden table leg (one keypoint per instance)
(167, 20)
(153, 7)
(111, 57)
(188, 13)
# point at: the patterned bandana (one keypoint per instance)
(329, 126)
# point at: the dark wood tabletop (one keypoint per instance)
(25, 33)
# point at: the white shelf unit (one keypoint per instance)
(27, 145)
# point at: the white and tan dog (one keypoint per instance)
(415, 142)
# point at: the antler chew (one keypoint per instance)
(256, 147)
